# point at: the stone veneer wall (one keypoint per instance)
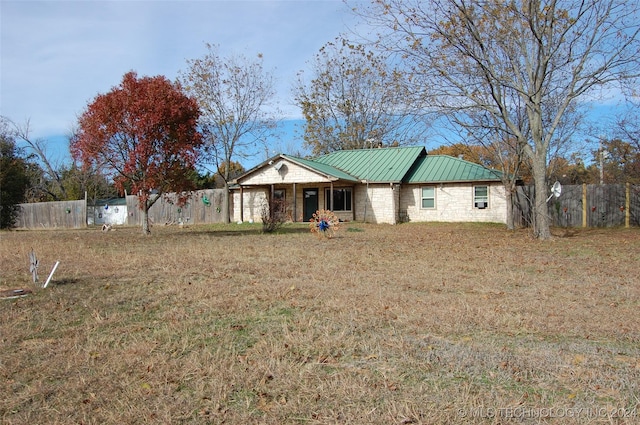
(384, 203)
(454, 203)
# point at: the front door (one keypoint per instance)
(310, 205)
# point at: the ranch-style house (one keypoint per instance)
(380, 185)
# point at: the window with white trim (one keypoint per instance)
(341, 199)
(428, 198)
(481, 197)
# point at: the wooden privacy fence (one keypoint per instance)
(203, 207)
(61, 214)
(577, 206)
(587, 205)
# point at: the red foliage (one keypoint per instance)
(145, 132)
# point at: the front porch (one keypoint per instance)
(299, 201)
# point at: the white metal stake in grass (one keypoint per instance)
(51, 274)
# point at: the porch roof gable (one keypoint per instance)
(324, 170)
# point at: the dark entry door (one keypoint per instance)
(310, 203)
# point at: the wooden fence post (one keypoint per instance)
(627, 205)
(584, 205)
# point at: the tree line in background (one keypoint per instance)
(28, 175)
(508, 81)
(615, 162)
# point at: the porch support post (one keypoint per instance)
(271, 198)
(241, 204)
(331, 197)
(353, 203)
(295, 213)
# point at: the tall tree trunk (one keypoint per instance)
(226, 203)
(146, 206)
(541, 224)
(145, 219)
(509, 191)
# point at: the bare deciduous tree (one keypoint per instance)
(354, 100)
(492, 57)
(52, 182)
(233, 94)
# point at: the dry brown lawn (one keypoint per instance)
(407, 324)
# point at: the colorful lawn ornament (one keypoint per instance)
(324, 223)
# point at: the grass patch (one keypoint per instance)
(413, 323)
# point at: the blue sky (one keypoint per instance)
(57, 55)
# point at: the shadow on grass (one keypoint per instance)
(222, 230)
(61, 282)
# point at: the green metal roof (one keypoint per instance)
(325, 169)
(444, 168)
(374, 165)
(392, 165)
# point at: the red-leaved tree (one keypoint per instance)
(143, 131)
